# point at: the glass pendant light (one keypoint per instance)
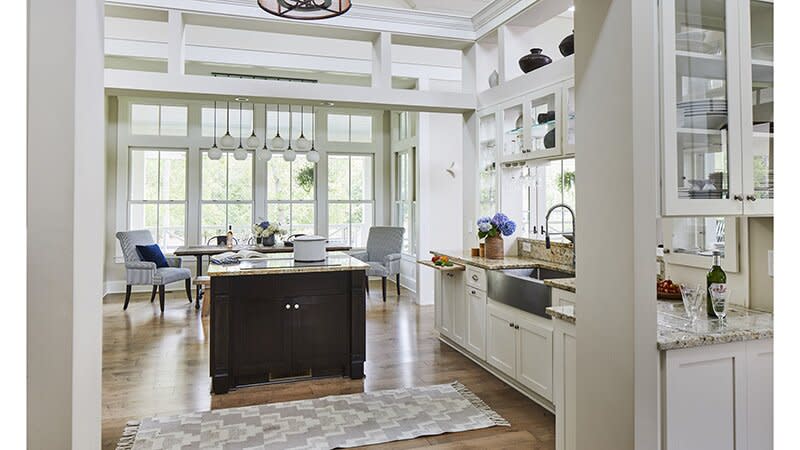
(240, 154)
(290, 155)
(264, 154)
(302, 143)
(227, 141)
(313, 155)
(278, 142)
(253, 141)
(215, 153)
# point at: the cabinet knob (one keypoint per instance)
(511, 325)
(738, 197)
(474, 277)
(296, 306)
(751, 197)
(473, 292)
(288, 306)
(450, 275)
(516, 327)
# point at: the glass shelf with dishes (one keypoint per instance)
(545, 112)
(487, 164)
(513, 131)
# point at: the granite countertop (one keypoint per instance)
(567, 284)
(675, 331)
(285, 264)
(508, 262)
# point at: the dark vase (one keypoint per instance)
(549, 116)
(258, 240)
(550, 139)
(268, 241)
(534, 60)
(567, 45)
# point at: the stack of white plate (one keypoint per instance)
(709, 114)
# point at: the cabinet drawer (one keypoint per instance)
(476, 277)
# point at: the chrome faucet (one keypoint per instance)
(547, 229)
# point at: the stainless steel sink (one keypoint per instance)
(523, 288)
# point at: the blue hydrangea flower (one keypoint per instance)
(499, 219)
(484, 227)
(264, 224)
(508, 228)
(484, 220)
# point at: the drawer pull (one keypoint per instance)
(516, 327)
(511, 325)
(475, 277)
(473, 292)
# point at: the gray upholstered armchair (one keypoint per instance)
(140, 272)
(384, 245)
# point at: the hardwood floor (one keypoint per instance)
(158, 365)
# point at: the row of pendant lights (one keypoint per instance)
(276, 143)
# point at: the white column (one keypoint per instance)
(469, 67)
(176, 61)
(503, 42)
(66, 221)
(469, 167)
(382, 60)
(617, 88)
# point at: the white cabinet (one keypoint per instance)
(521, 346)
(501, 340)
(453, 305)
(564, 383)
(718, 397)
(475, 340)
(717, 100)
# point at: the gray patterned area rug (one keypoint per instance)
(338, 421)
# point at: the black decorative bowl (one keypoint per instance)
(567, 45)
(534, 60)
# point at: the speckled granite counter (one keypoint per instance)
(284, 263)
(508, 262)
(567, 284)
(675, 331)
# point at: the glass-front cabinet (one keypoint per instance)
(487, 164)
(514, 132)
(546, 122)
(716, 159)
(569, 118)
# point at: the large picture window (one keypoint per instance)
(351, 200)
(226, 196)
(291, 196)
(157, 195)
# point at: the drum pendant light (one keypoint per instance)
(227, 141)
(240, 154)
(215, 153)
(305, 9)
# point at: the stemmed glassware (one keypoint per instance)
(719, 301)
(693, 296)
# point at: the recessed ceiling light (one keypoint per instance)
(242, 99)
(327, 103)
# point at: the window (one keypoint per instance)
(548, 184)
(405, 197)
(157, 195)
(403, 130)
(349, 128)
(226, 196)
(291, 196)
(159, 120)
(350, 198)
(207, 114)
(698, 235)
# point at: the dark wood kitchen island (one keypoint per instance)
(283, 321)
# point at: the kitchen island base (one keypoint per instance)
(268, 328)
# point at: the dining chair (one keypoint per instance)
(140, 272)
(384, 245)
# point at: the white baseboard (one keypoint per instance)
(408, 283)
(118, 287)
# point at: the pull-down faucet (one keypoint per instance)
(547, 229)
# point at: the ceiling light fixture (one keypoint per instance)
(305, 9)
(313, 155)
(240, 154)
(227, 141)
(215, 153)
(242, 99)
(290, 155)
(278, 142)
(253, 141)
(302, 143)
(264, 154)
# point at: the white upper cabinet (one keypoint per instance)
(717, 107)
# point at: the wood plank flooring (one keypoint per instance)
(158, 365)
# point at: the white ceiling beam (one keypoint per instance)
(176, 43)
(132, 82)
(382, 61)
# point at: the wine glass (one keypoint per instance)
(719, 301)
(692, 296)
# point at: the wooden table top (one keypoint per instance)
(204, 250)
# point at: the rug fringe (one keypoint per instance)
(480, 405)
(128, 435)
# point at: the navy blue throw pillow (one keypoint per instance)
(153, 254)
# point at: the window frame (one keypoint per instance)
(534, 207)
(159, 106)
(227, 202)
(410, 202)
(351, 202)
(184, 202)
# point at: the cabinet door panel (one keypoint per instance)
(501, 342)
(320, 338)
(448, 305)
(267, 322)
(759, 394)
(535, 358)
(475, 340)
(459, 309)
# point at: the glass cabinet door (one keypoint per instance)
(513, 132)
(569, 118)
(758, 145)
(487, 165)
(702, 160)
(545, 110)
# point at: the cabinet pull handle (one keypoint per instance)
(511, 325)
(475, 277)
(296, 306)
(751, 197)
(516, 327)
(473, 292)
(737, 197)
(288, 306)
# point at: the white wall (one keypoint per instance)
(64, 217)
(546, 36)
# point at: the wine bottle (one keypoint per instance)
(716, 276)
(229, 239)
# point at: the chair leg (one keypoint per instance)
(383, 287)
(153, 294)
(127, 296)
(398, 285)
(162, 290)
(188, 282)
(366, 283)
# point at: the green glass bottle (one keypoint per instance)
(714, 277)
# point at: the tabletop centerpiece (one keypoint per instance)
(492, 230)
(265, 232)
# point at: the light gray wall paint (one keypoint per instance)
(65, 217)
